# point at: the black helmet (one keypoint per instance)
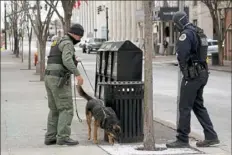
(180, 20)
(77, 29)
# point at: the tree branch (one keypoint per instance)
(48, 18)
(54, 8)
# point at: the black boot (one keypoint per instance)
(207, 143)
(50, 142)
(68, 141)
(178, 144)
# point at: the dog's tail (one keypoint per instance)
(83, 93)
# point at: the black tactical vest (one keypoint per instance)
(55, 56)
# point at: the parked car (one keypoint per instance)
(94, 44)
(212, 46)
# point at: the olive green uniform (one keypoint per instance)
(60, 100)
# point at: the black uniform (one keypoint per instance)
(191, 49)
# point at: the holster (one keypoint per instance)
(63, 80)
(193, 72)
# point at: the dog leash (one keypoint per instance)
(86, 75)
(74, 89)
(75, 96)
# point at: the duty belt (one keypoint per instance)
(58, 73)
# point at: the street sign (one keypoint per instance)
(139, 15)
(166, 13)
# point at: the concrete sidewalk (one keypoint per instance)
(24, 113)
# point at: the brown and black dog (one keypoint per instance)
(104, 117)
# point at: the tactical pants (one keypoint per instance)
(191, 98)
(60, 104)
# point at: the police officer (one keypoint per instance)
(60, 64)
(191, 49)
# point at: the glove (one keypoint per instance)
(185, 74)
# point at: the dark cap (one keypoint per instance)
(77, 29)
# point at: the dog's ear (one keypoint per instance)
(117, 128)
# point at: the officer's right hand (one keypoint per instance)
(79, 80)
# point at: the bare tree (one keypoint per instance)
(149, 140)
(15, 27)
(29, 33)
(10, 24)
(26, 28)
(215, 8)
(41, 29)
(67, 7)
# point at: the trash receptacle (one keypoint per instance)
(118, 61)
(157, 49)
(126, 99)
(215, 58)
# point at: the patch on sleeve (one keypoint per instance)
(182, 37)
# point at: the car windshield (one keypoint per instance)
(211, 43)
(91, 40)
(214, 43)
(99, 40)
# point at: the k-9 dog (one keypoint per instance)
(104, 117)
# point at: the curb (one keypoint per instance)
(221, 70)
(171, 125)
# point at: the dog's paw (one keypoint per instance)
(111, 142)
(95, 141)
(89, 138)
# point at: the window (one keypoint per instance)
(214, 42)
(195, 22)
(194, 2)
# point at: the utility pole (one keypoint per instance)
(5, 25)
(181, 8)
(107, 24)
(95, 33)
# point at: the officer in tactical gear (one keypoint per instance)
(191, 49)
(61, 64)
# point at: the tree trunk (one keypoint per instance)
(22, 50)
(15, 26)
(221, 53)
(16, 44)
(149, 140)
(67, 22)
(42, 59)
(29, 55)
